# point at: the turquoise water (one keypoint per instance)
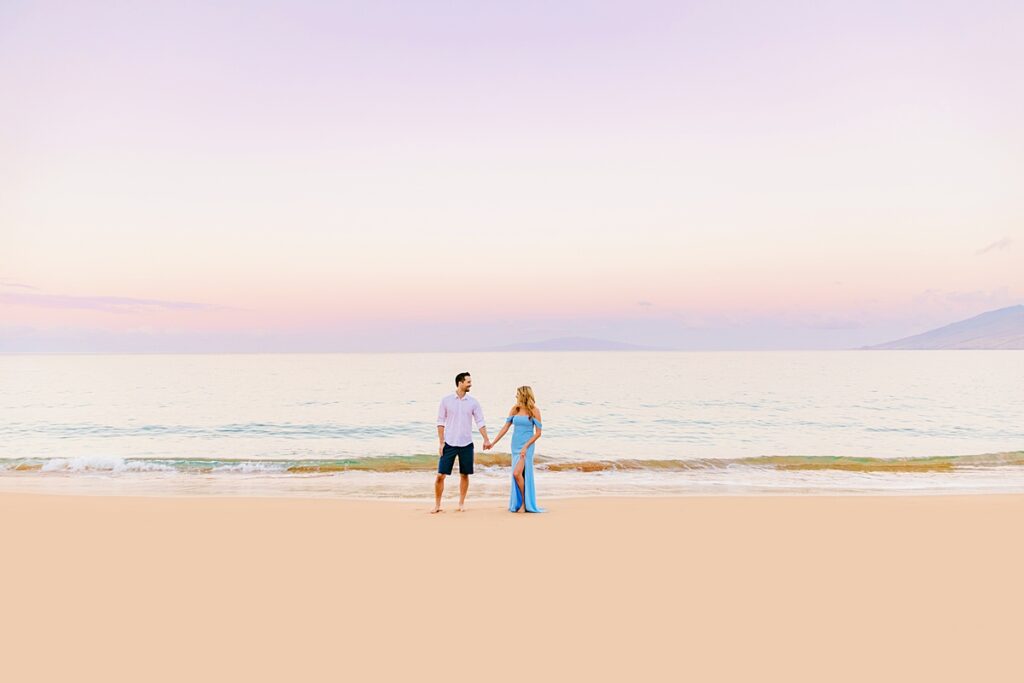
(615, 423)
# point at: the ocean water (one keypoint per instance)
(363, 425)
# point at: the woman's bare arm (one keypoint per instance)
(504, 427)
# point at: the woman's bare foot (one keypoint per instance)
(436, 510)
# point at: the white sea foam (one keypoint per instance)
(251, 467)
(112, 476)
(99, 463)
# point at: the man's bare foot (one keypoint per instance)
(436, 510)
(461, 508)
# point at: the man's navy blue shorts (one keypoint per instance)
(465, 453)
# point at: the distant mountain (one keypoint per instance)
(573, 344)
(1000, 329)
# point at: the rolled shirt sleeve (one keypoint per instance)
(442, 413)
(478, 415)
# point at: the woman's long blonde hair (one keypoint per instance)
(526, 400)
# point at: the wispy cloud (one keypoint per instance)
(979, 300)
(16, 285)
(112, 304)
(998, 245)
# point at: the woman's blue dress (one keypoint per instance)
(521, 433)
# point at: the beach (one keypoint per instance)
(700, 588)
(738, 284)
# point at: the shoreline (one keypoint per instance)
(719, 588)
(410, 478)
(427, 498)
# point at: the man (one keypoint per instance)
(455, 436)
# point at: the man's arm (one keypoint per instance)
(478, 415)
(442, 413)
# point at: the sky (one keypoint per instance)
(427, 176)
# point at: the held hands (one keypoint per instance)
(488, 445)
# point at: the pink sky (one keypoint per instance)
(316, 176)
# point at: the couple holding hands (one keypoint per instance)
(455, 436)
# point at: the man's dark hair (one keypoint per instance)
(459, 377)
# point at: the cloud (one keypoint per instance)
(828, 321)
(17, 285)
(111, 304)
(644, 303)
(979, 300)
(998, 245)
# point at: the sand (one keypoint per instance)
(742, 589)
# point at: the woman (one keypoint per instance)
(525, 417)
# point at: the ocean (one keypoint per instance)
(615, 423)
